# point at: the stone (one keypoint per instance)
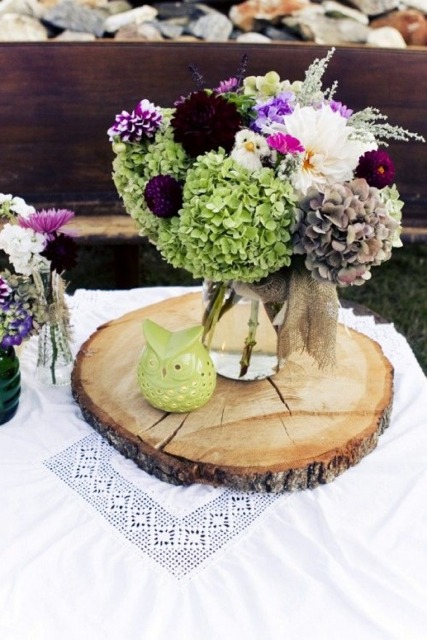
(69, 15)
(75, 36)
(274, 33)
(21, 7)
(167, 10)
(135, 16)
(213, 27)
(375, 7)
(251, 37)
(170, 29)
(334, 9)
(328, 31)
(421, 5)
(245, 15)
(410, 23)
(386, 37)
(143, 31)
(15, 27)
(118, 6)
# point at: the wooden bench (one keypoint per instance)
(58, 100)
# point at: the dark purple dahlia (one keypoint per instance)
(61, 251)
(163, 195)
(205, 123)
(377, 168)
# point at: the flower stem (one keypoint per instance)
(250, 340)
(52, 329)
(212, 312)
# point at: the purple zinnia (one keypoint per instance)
(47, 221)
(163, 195)
(144, 121)
(273, 110)
(377, 168)
(284, 143)
(205, 122)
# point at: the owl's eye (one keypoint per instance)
(151, 361)
(181, 368)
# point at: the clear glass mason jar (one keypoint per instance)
(239, 334)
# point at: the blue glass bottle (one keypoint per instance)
(10, 384)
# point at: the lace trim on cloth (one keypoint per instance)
(178, 543)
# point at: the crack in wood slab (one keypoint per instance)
(286, 431)
(279, 393)
(161, 445)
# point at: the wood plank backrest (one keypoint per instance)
(57, 101)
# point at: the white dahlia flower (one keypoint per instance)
(330, 155)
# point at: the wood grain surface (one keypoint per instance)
(299, 429)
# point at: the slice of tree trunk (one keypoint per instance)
(299, 429)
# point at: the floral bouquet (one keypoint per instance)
(32, 299)
(264, 187)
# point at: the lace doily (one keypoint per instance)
(180, 528)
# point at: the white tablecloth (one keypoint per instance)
(92, 548)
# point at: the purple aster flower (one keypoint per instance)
(377, 168)
(340, 108)
(163, 195)
(225, 86)
(273, 110)
(284, 143)
(47, 221)
(4, 291)
(143, 122)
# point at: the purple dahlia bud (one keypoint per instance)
(163, 195)
(143, 122)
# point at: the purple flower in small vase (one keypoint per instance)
(47, 221)
(5, 291)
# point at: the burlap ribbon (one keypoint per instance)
(303, 310)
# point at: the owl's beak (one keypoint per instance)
(249, 146)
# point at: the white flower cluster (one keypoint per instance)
(23, 247)
(15, 204)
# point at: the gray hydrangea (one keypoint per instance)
(343, 231)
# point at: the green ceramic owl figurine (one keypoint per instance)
(175, 372)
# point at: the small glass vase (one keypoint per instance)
(239, 334)
(54, 357)
(10, 384)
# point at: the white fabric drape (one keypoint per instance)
(92, 548)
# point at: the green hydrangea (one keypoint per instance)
(234, 225)
(136, 163)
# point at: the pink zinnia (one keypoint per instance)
(47, 221)
(284, 143)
